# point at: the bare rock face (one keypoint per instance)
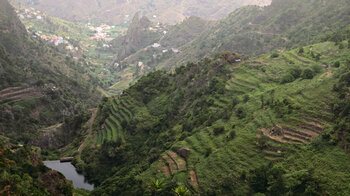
(184, 152)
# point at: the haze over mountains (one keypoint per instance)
(119, 11)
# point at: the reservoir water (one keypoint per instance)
(68, 170)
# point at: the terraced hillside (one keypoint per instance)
(39, 86)
(18, 93)
(120, 114)
(250, 30)
(253, 30)
(271, 134)
(212, 126)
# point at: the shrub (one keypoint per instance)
(231, 135)
(208, 152)
(307, 73)
(337, 64)
(274, 55)
(246, 98)
(240, 113)
(317, 68)
(301, 50)
(218, 130)
(295, 72)
(318, 57)
(287, 78)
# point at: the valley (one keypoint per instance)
(175, 98)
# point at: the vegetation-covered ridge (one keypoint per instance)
(250, 30)
(23, 173)
(39, 85)
(253, 30)
(224, 125)
(118, 12)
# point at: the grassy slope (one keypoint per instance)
(218, 159)
(229, 159)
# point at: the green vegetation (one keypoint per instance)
(253, 30)
(238, 119)
(41, 89)
(273, 124)
(22, 173)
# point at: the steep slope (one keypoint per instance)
(23, 173)
(214, 126)
(119, 11)
(39, 85)
(147, 44)
(249, 30)
(138, 36)
(253, 30)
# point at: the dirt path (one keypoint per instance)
(299, 59)
(90, 122)
(115, 84)
(193, 177)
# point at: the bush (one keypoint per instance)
(337, 64)
(317, 68)
(246, 98)
(287, 78)
(295, 72)
(274, 55)
(318, 57)
(240, 113)
(307, 73)
(218, 130)
(231, 135)
(301, 50)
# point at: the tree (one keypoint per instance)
(301, 50)
(337, 64)
(307, 73)
(181, 191)
(274, 55)
(218, 130)
(295, 72)
(240, 112)
(317, 68)
(287, 78)
(156, 186)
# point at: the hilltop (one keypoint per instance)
(121, 11)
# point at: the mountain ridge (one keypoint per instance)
(120, 11)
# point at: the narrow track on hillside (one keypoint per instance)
(299, 59)
(90, 122)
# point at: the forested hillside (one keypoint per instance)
(146, 44)
(250, 30)
(23, 173)
(39, 85)
(223, 125)
(254, 30)
(254, 104)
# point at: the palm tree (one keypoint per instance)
(156, 186)
(181, 191)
